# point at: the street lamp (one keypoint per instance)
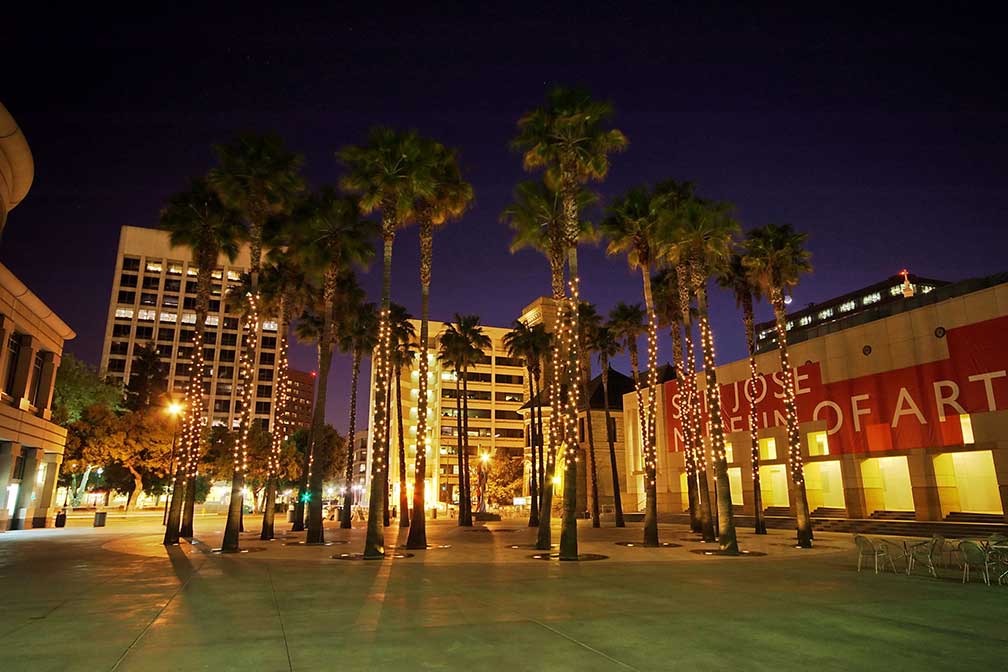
(174, 409)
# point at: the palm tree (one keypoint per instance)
(775, 256)
(196, 219)
(632, 225)
(333, 238)
(282, 285)
(589, 322)
(520, 344)
(666, 296)
(309, 330)
(541, 343)
(569, 137)
(358, 335)
(607, 346)
(403, 354)
(735, 277)
(391, 173)
(448, 197)
(258, 178)
(537, 218)
(450, 355)
(702, 232)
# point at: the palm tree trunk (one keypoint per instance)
(693, 405)
(465, 448)
(651, 454)
(533, 482)
(750, 329)
(386, 519)
(540, 437)
(417, 537)
(688, 445)
(544, 539)
(316, 530)
(374, 542)
(585, 379)
(404, 518)
(791, 414)
(459, 447)
(298, 524)
(617, 498)
(192, 431)
(345, 521)
(726, 515)
(568, 529)
(279, 428)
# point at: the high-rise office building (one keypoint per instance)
(301, 396)
(153, 301)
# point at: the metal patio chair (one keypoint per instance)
(879, 553)
(926, 553)
(975, 556)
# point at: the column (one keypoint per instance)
(22, 374)
(853, 486)
(25, 492)
(6, 328)
(924, 485)
(44, 509)
(7, 450)
(1000, 455)
(50, 363)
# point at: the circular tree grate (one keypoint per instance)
(360, 556)
(530, 547)
(638, 544)
(728, 554)
(583, 557)
(253, 549)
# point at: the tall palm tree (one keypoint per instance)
(541, 343)
(632, 225)
(358, 335)
(391, 173)
(520, 344)
(589, 322)
(451, 355)
(570, 138)
(333, 239)
(403, 354)
(446, 197)
(607, 346)
(537, 218)
(282, 284)
(258, 178)
(776, 257)
(735, 277)
(309, 330)
(666, 296)
(196, 219)
(702, 232)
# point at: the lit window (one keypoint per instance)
(124, 313)
(169, 317)
(146, 315)
(896, 291)
(847, 306)
(805, 321)
(174, 269)
(789, 325)
(192, 270)
(826, 314)
(188, 318)
(154, 266)
(768, 449)
(874, 297)
(217, 275)
(270, 325)
(966, 423)
(729, 452)
(926, 288)
(212, 320)
(818, 443)
(234, 275)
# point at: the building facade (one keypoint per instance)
(497, 389)
(153, 301)
(301, 397)
(31, 345)
(903, 410)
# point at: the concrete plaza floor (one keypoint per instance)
(113, 598)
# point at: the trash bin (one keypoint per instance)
(61, 519)
(99, 518)
(290, 516)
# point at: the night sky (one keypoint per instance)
(880, 132)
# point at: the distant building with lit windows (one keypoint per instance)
(153, 301)
(902, 403)
(301, 398)
(497, 389)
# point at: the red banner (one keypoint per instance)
(913, 407)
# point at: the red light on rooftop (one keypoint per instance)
(313, 374)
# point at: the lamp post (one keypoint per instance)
(484, 463)
(174, 409)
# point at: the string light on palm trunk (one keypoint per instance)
(280, 408)
(790, 413)
(713, 393)
(248, 360)
(194, 407)
(381, 374)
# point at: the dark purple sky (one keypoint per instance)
(881, 132)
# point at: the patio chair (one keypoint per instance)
(926, 553)
(893, 551)
(868, 549)
(975, 556)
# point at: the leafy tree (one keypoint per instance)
(503, 480)
(78, 387)
(148, 381)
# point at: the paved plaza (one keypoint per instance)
(113, 598)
